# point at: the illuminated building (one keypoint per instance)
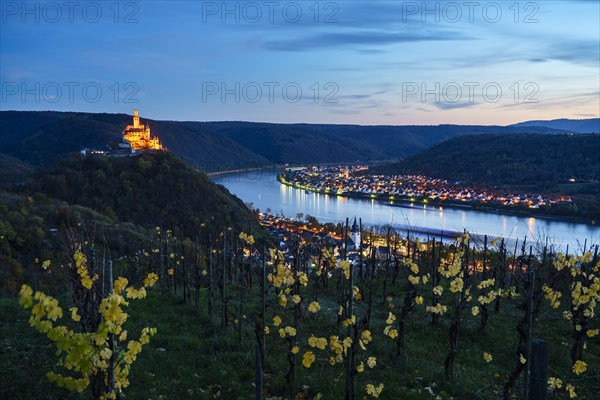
(138, 137)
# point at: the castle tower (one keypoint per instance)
(355, 234)
(136, 119)
(138, 136)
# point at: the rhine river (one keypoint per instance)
(263, 191)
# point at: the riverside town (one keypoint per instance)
(349, 181)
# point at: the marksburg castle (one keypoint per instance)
(138, 137)
(135, 139)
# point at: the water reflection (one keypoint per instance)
(263, 191)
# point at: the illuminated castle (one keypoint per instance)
(138, 136)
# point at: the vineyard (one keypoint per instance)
(225, 317)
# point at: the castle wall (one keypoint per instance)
(138, 136)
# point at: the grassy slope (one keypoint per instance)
(191, 357)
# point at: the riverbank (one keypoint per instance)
(242, 170)
(402, 201)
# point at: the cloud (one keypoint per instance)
(343, 111)
(355, 96)
(453, 106)
(372, 51)
(358, 38)
(578, 52)
(560, 102)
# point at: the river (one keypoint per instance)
(263, 191)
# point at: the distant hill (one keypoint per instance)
(542, 164)
(45, 137)
(507, 159)
(569, 125)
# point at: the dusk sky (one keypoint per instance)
(358, 62)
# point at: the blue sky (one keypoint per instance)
(359, 62)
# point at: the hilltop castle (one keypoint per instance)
(138, 137)
(135, 139)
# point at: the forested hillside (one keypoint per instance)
(117, 201)
(548, 164)
(150, 190)
(32, 228)
(508, 159)
(591, 125)
(45, 137)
